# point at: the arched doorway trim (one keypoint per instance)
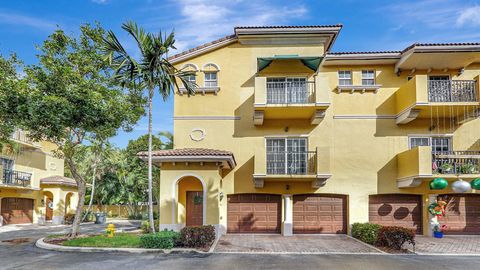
(175, 196)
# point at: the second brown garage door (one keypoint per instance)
(462, 214)
(17, 210)
(404, 210)
(320, 213)
(254, 213)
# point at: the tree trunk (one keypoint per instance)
(150, 180)
(92, 192)
(75, 230)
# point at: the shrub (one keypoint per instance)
(164, 240)
(395, 237)
(145, 225)
(200, 236)
(366, 232)
(136, 216)
(68, 219)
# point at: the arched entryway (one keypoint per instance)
(48, 199)
(68, 201)
(190, 201)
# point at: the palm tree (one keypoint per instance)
(169, 136)
(152, 70)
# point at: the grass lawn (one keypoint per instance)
(126, 240)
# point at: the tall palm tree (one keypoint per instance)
(150, 71)
(169, 136)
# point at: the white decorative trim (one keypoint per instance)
(216, 66)
(364, 117)
(225, 161)
(203, 90)
(202, 132)
(206, 118)
(175, 200)
(360, 88)
(190, 64)
(203, 50)
(407, 116)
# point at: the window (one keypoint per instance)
(439, 78)
(287, 90)
(7, 164)
(211, 79)
(287, 156)
(344, 77)
(191, 78)
(439, 144)
(368, 77)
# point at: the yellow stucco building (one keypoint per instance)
(33, 188)
(284, 136)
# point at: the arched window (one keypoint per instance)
(193, 69)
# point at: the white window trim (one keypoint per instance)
(429, 137)
(205, 79)
(285, 138)
(351, 77)
(374, 77)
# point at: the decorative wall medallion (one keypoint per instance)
(197, 134)
(53, 166)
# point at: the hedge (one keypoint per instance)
(395, 237)
(163, 240)
(366, 232)
(198, 236)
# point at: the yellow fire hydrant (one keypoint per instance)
(110, 230)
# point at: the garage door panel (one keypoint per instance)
(396, 210)
(17, 210)
(462, 214)
(319, 213)
(254, 213)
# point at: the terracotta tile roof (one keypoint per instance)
(187, 152)
(289, 26)
(58, 180)
(441, 44)
(229, 37)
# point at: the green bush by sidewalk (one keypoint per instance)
(366, 232)
(197, 236)
(162, 240)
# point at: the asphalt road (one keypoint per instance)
(26, 256)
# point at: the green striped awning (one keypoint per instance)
(312, 62)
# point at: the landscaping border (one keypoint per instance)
(40, 243)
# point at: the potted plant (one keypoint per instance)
(446, 168)
(468, 168)
(438, 230)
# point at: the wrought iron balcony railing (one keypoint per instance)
(452, 91)
(456, 162)
(291, 163)
(290, 92)
(16, 178)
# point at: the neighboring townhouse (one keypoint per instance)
(284, 136)
(33, 188)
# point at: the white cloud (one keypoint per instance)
(202, 21)
(470, 16)
(8, 17)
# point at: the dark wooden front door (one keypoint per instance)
(320, 213)
(404, 210)
(254, 213)
(17, 210)
(194, 208)
(49, 209)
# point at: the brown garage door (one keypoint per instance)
(319, 213)
(254, 213)
(462, 214)
(17, 210)
(404, 210)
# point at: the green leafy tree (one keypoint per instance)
(150, 71)
(67, 98)
(168, 143)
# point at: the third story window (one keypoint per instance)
(211, 79)
(344, 77)
(368, 77)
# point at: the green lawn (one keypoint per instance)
(127, 240)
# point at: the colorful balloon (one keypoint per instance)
(461, 186)
(438, 183)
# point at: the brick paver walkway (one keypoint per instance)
(291, 244)
(465, 244)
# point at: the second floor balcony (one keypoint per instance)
(284, 98)
(425, 96)
(16, 178)
(420, 164)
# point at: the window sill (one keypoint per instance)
(201, 90)
(360, 88)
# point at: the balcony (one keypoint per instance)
(292, 166)
(282, 100)
(21, 136)
(16, 178)
(420, 164)
(423, 98)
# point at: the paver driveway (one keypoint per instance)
(246, 243)
(450, 244)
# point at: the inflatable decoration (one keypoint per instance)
(437, 209)
(461, 186)
(438, 183)
(475, 183)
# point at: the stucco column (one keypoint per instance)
(287, 224)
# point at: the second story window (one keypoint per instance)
(438, 144)
(368, 77)
(288, 156)
(344, 77)
(211, 79)
(191, 78)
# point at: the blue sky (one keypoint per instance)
(368, 25)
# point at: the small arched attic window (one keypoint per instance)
(211, 77)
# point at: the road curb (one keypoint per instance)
(40, 243)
